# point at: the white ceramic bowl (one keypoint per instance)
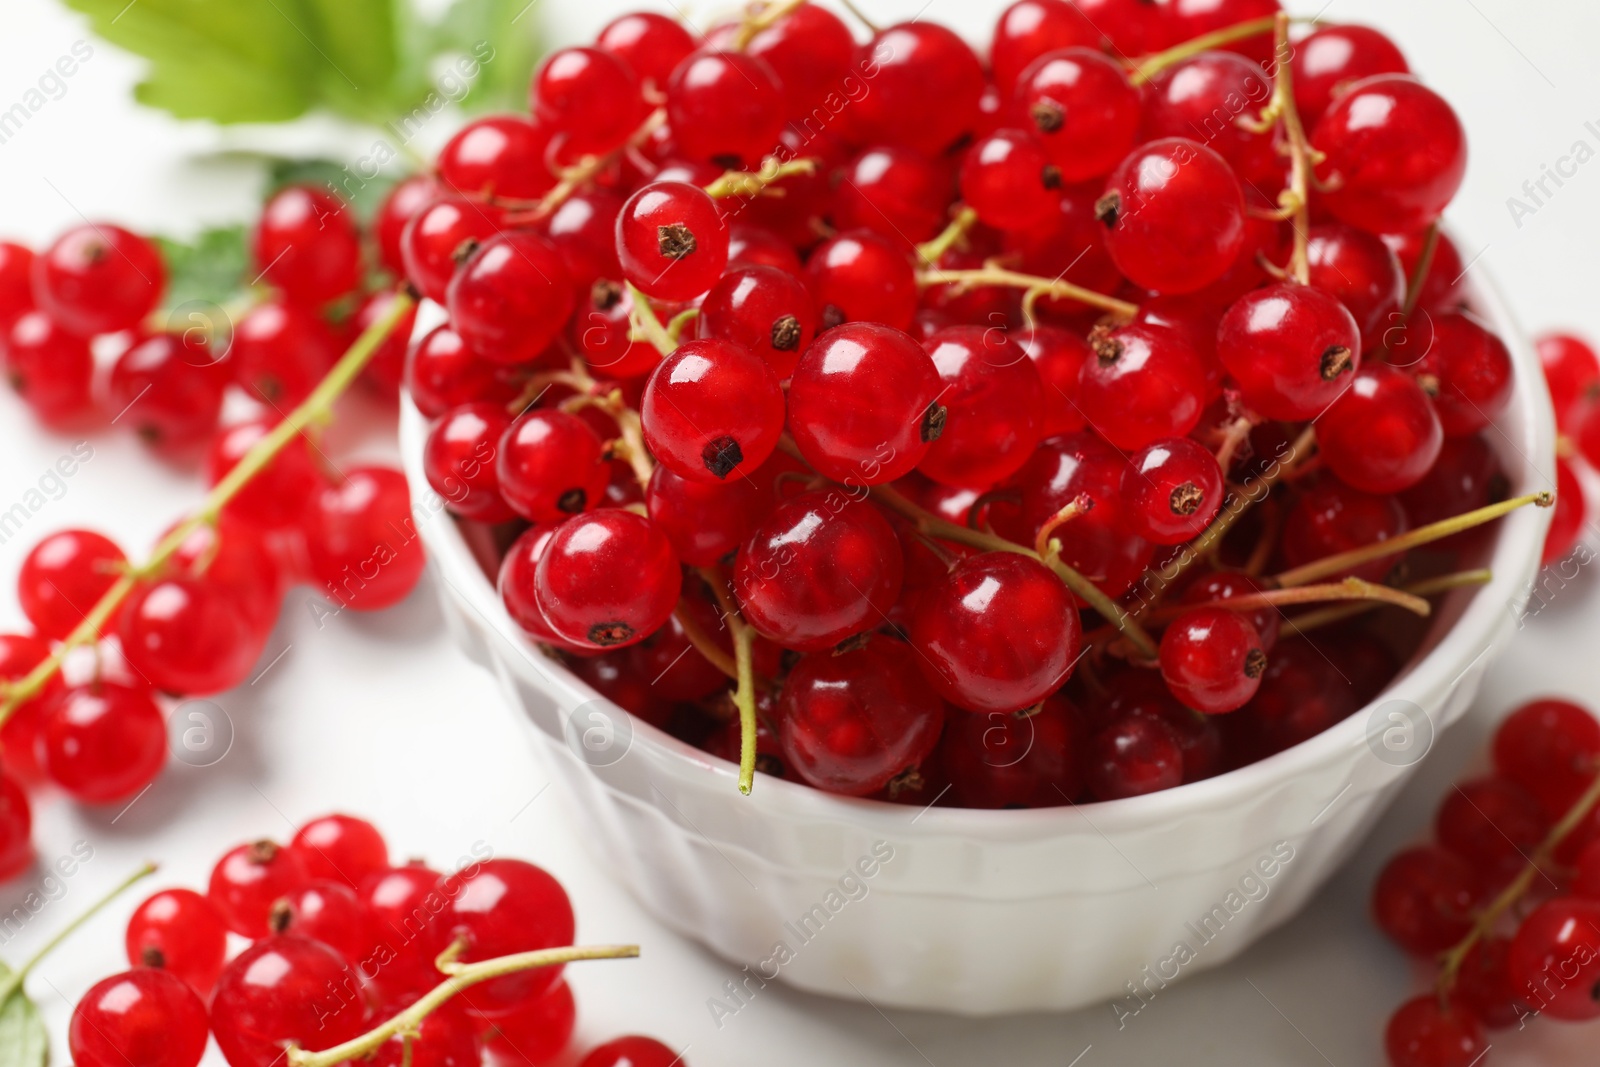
(989, 912)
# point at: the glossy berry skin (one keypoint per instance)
(1468, 373)
(1382, 434)
(511, 297)
(277, 496)
(999, 635)
(1010, 182)
(1171, 490)
(180, 932)
(812, 51)
(169, 389)
(1082, 109)
(1555, 959)
(819, 569)
(1204, 98)
(1567, 524)
(140, 1018)
(1100, 544)
(535, 1034)
(607, 579)
(1397, 152)
(649, 43)
(1145, 383)
(498, 156)
(863, 404)
(340, 848)
(65, 575)
(602, 332)
(1550, 748)
(1026, 759)
(19, 655)
(459, 459)
(308, 244)
(329, 912)
(726, 107)
(1292, 350)
(1029, 28)
(994, 407)
(276, 993)
(16, 283)
(439, 236)
(850, 723)
(442, 373)
(185, 635)
(712, 411)
(672, 240)
(362, 541)
(517, 584)
(1492, 823)
(1133, 756)
(1331, 518)
(548, 466)
(1424, 899)
(706, 521)
(591, 96)
(767, 310)
(279, 351)
(409, 196)
(248, 880)
(499, 907)
(1212, 660)
(1227, 585)
(1364, 273)
(632, 1051)
(446, 1038)
(99, 278)
(925, 86)
(861, 276)
(103, 743)
(1174, 216)
(583, 229)
(895, 192)
(1058, 356)
(405, 904)
(1330, 59)
(16, 829)
(1572, 370)
(1424, 1033)
(1187, 19)
(51, 369)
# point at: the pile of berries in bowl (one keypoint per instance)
(1019, 435)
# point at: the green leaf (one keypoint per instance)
(211, 268)
(23, 1041)
(500, 39)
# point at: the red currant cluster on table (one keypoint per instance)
(342, 948)
(911, 423)
(1508, 899)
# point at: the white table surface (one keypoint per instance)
(381, 716)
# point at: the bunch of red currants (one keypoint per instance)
(1508, 899)
(339, 942)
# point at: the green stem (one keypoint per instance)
(1055, 288)
(931, 250)
(744, 697)
(648, 325)
(13, 982)
(1313, 620)
(1150, 66)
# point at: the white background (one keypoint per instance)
(381, 716)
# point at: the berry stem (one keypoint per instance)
(872, 27)
(763, 18)
(1154, 64)
(931, 250)
(1450, 965)
(1055, 288)
(1295, 201)
(647, 326)
(1313, 620)
(744, 697)
(585, 171)
(1350, 589)
(1419, 277)
(755, 182)
(1422, 535)
(704, 645)
(1079, 505)
(13, 981)
(317, 407)
(679, 321)
(461, 976)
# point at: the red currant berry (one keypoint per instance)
(442, 234)
(1171, 490)
(1029, 28)
(1292, 349)
(607, 579)
(1204, 98)
(550, 466)
(1098, 544)
(1468, 373)
(442, 373)
(651, 44)
(765, 309)
(1382, 434)
(1082, 108)
(1424, 899)
(1174, 216)
(497, 908)
(511, 297)
(103, 743)
(1301, 695)
(591, 96)
(1570, 518)
(308, 244)
(1555, 959)
(632, 1052)
(180, 932)
(1212, 660)
(99, 278)
(1135, 755)
(672, 667)
(1483, 985)
(1427, 1033)
(537, 1033)
(1332, 58)
(405, 903)
(328, 912)
(584, 231)
(1010, 182)
(447, 1037)
(1551, 748)
(340, 848)
(1229, 585)
(1492, 823)
(994, 403)
(16, 830)
(459, 460)
(19, 655)
(1330, 518)
(1025, 759)
(712, 410)
(65, 575)
(925, 86)
(279, 351)
(385, 370)
(170, 387)
(503, 156)
(518, 586)
(408, 197)
(860, 276)
(849, 723)
(1058, 355)
(672, 240)
(16, 283)
(1395, 154)
(752, 246)
(812, 51)
(361, 541)
(49, 368)
(284, 991)
(276, 496)
(187, 635)
(140, 1018)
(1144, 384)
(1364, 273)
(819, 569)
(1573, 371)
(1442, 289)
(726, 107)
(248, 879)
(895, 192)
(602, 332)
(1466, 476)
(706, 521)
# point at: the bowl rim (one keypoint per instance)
(1491, 608)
